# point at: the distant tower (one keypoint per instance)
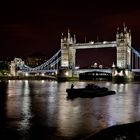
(13, 68)
(123, 40)
(66, 42)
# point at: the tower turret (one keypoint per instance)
(62, 38)
(69, 36)
(74, 39)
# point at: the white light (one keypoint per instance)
(42, 74)
(100, 66)
(56, 72)
(113, 65)
(121, 73)
(116, 73)
(104, 42)
(126, 72)
(66, 73)
(26, 74)
(77, 67)
(92, 42)
(26, 82)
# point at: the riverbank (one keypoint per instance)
(130, 131)
(27, 78)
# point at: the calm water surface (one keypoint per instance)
(40, 110)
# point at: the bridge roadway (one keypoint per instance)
(101, 70)
(77, 71)
(108, 71)
(135, 70)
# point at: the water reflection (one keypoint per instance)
(24, 124)
(19, 106)
(40, 109)
(120, 87)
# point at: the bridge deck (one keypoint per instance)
(78, 71)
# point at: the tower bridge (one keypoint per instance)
(122, 44)
(127, 58)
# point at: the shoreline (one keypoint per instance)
(67, 79)
(129, 131)
(27, 78)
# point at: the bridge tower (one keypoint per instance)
(68, 52)
(123, 40)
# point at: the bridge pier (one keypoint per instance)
(65, 74)
(122, 75)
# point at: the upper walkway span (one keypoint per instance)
(90, 45)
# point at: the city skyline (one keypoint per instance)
(36, 27)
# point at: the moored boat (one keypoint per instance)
(89, 91)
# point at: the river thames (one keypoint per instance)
(40, 110)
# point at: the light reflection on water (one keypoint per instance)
(35, 105)
(24, 124)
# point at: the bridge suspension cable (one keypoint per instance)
(135, 58)
(48, 65)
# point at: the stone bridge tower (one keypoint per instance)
(68, 51)
(123, 40)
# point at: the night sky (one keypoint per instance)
(28, 27)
